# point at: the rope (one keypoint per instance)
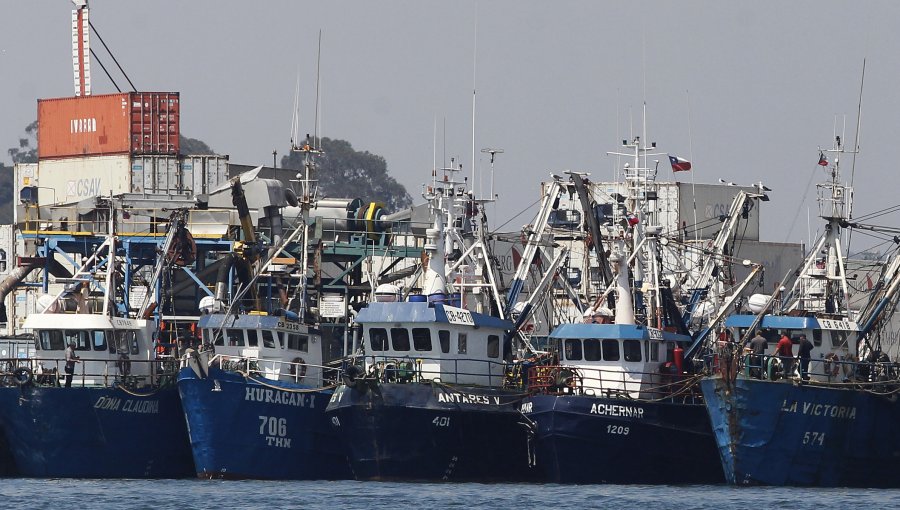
(281, 388)
(120, 386)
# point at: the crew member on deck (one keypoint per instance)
(804, 351)
(71, 359)
(785, 350)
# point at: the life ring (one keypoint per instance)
(831, 365)
(23, 376)
(298, 368)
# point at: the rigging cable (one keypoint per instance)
(113, 57)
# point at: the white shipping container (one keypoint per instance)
(204, 173)
(155, 174)
(74, 179)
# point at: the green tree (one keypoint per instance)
(344, 172)
(194, 147)
(26, 152)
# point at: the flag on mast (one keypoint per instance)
(823, 161)
(679, 164)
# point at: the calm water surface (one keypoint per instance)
(201, 494)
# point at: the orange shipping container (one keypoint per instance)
(127, 123)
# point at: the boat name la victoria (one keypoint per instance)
(833, 411)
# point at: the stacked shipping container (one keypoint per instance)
(117, 143)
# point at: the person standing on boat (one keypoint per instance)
(757, 346)
(785, 350)
(804, 351)
(71, 359)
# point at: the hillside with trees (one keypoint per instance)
(342, 171)
(345, 172)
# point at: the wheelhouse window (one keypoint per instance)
(298, 342)
(421, 339)
(79, 337)
(654, 351)
(610, 349)
(817, 337)
(461, 341)
(268, 340)
(592, 351)
(838, 338)
(632, 350)
(400, 339)
(493, 346)
(235, 337)
(573, 349)
(52, 340)
(126, 341)
(252, 338)
(378, 339)
(444, 339)
(99, 339)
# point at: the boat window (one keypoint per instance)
(218, 335)
(399, 339)
(52, 340)
(252, 338)
(421, 339)
(573, 349)
(632, 349)
(610, 350)
(493, 346)
(654, 351)
(298, 342)
(99, 337)
(838, 338)
(235, 337)
(592, 349)
(553, 346)
(378, 339)
(461, 341)
(444, 337)
(80, 339)
(817, 337)
(126, 342)
(268, 340)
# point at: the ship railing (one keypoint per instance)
(128, 373)
(397, 234)
(830, 369)
(262, 369)
(394, 369)
(71, 220)
(659, 385)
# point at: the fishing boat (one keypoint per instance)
(121, 417)
(427, 396)
(255, 388)
(617, 401)
(830, 425)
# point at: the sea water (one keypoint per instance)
(19, 493)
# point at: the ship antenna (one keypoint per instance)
(862, 82)
(474, 69)
(316, 141)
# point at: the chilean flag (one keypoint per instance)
(679, 164)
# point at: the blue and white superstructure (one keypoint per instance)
(833, 426)
(121, 417)
(428, 396)
(618, 401)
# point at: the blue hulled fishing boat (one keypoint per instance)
(831, 424)
(427, 397)
(121, 417)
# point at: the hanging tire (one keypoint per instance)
(23, 376)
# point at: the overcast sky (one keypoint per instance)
(747, 91)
